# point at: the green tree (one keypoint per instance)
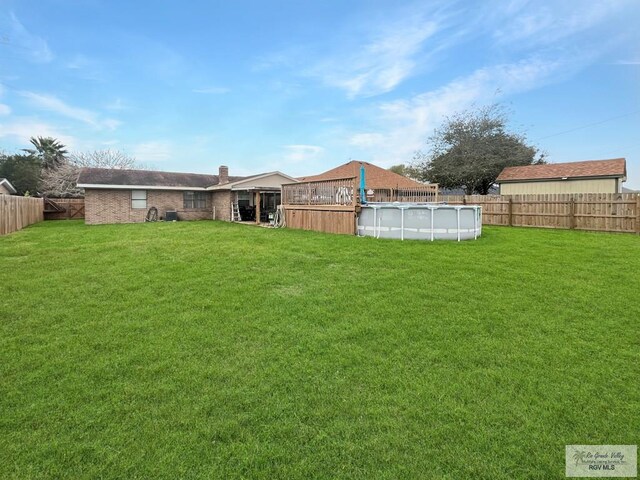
(407, 171)
(50, 151)
(471, 148)
(23, 171)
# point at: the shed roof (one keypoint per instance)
(615, 167)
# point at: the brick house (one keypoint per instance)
(125, 196)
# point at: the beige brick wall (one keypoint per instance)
(114, 206)
(222, 203)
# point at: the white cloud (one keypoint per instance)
(366, 140)
(23, 128)
(153, 151)
(86, 67)
(302, 153)
(79, 62)
(402, 126)
(211, 90)
(117, 105)
(545, 23)
(4, 109)
(17, 35)
(370, 57)
(54, 104)
(381, 63)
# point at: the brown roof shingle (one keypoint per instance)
(150, 178)
(375, 177)
(616, 167)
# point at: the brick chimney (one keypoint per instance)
(223, 174)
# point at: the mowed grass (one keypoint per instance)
(212, 350)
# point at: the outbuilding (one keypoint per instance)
(591, 176)
(6, 188)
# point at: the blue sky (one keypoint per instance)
(304, 86)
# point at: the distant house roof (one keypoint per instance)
(7, 184)
(148, 179)
(591, 168)
(375, 177)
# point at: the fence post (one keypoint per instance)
(510, 217)
(572, 213)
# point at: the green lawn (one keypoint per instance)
(212, 350)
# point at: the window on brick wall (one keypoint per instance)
(195, 199)
(138, 199)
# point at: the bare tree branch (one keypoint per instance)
(61, 181)
(103, 159)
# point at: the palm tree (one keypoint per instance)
(50, 151)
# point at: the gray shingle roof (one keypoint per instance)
(150, 178)
(616, 167)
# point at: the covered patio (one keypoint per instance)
(257, 204)
(250, 199)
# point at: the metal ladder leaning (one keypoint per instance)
(235, 213)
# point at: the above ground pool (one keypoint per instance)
(420, 221)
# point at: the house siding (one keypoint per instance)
(596, 185)
(4, 190)
(114, 206)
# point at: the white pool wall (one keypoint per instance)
(419, 221)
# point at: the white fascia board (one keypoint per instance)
(136, 187)
(237, 184)
(8, 184)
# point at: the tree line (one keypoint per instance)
(469, 150)
(49, 169)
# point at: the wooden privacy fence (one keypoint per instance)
(605, 212)
(19, 212)
(63, 208)
(324, 206)
(332, 205)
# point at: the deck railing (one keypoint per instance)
(341, 191)
(425, 193)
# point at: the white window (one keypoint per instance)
(138, 199)
(195, 199)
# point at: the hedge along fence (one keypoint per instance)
(19, 212)
(605, 212)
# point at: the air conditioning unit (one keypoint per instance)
(171, 216)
